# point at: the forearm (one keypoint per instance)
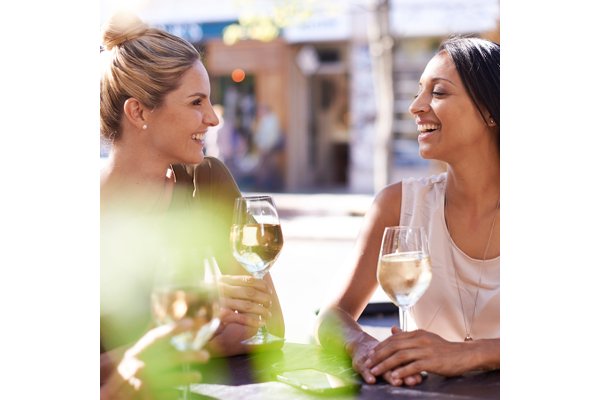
(337, 331)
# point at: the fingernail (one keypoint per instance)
(369, 362)
(375, 371)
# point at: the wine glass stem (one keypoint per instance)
(403, 319)
(186, 395)
(262, 326)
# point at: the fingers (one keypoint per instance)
(246, 293)
(359, 366)
(410, 373)
(412, 380)
(228, 316)
(399, 341)
(245, 281)
(246, 307)
(391, 379)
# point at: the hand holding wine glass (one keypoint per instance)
(257, 240)
(186, 287)
(404, 269)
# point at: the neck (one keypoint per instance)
(475, 189)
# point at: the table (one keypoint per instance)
(250, 377)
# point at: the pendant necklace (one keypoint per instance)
(468, 328)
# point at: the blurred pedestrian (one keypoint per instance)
(268, 145)
(457, 112)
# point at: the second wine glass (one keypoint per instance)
(187, 287)
(257, 240)
(404, 269)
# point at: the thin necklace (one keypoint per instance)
(468, 328)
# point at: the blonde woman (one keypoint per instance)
(155, 110)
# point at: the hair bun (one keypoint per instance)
(121, 27)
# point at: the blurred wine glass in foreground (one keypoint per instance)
(187, 287)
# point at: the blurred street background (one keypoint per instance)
(313, 98)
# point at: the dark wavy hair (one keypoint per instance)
(478, 64)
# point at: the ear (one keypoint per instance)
(490, 121)
(135, 112)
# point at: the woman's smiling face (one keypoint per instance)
(178, 127)
(446, 117)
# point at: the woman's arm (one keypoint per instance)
(337, 328)
(151, 367)
(215, 187)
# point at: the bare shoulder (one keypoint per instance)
(390, 195)
(387, 203)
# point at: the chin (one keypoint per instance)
(425, 152)
(197, 159)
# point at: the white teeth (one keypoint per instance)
(427, 127)
(198, 136)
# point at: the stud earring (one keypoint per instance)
(144, 126)
(492, 122)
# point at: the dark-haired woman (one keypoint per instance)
(457, 113)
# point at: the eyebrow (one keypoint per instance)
(440, 79)
(202, 95)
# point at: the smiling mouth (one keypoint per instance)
(426, 128)
(199, 136)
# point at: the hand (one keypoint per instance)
(406, 354)
(153, 367)
(359, 351)
(245, 300)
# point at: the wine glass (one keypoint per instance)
(187, 287)
(404, 268)
(256, 239)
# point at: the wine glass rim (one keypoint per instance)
(255, 197)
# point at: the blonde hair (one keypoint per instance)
(140, 62)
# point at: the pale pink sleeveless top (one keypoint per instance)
(439, 310)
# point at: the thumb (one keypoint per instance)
(395, 330)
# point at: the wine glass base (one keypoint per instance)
(264, 342)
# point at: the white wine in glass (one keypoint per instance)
(404, 268)
(256, 239)
(187, 288)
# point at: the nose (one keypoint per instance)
(211, 118)
(419, 104)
